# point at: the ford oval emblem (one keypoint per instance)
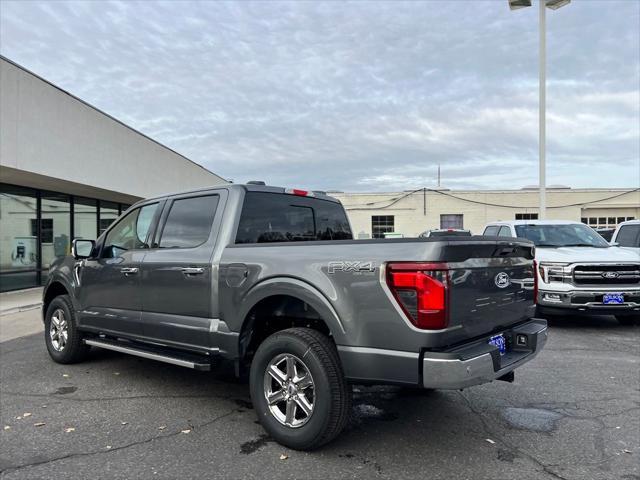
(502, 280)
(610, 275)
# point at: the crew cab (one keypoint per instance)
(577, 270)
(271, 281)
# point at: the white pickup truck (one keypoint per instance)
(577, 270)
(627, 235)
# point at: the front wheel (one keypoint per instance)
(298, 388)
(64, 341)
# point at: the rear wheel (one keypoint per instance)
(298, 388)
(64, 341)
(628, 319)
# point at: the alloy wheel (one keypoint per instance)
(58, 330)
(289, 390)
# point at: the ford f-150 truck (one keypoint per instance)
(271, 280)
(578, 271)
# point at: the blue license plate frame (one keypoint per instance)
(613, 298)
(500, 342)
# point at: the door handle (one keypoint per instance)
(192, 270)
(129, 271)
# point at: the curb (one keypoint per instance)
(23, 308)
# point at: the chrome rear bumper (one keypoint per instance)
(479, 362)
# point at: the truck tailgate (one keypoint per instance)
(491, 287)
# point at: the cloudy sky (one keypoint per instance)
(363, 96)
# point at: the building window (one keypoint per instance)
(526, 216)
(55, 230)
(108, 213)
(451, 221)
(18, 244)
(381, 224)
(26, 251)
(85, 218)
(46, 232)
(604, 222)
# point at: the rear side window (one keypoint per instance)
(272, 217)
(491, 231)
(189, 222)
(505, 232)
(629, 236)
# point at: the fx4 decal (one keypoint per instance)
(351, 266)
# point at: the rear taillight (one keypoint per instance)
(422, 291)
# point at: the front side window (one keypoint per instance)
(189, 222)
(558, 235)
(131, 232)
(629, 236)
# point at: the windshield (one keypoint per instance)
(569, 235)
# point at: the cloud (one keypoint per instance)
(353, 96)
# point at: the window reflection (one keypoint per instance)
(18, 240)
(28, 249)
(55, 227)
(85, 218)
(108, 213)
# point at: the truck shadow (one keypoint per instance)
(585, 321)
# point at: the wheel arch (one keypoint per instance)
(285, 302)
(53, 290)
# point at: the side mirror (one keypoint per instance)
(81, 248)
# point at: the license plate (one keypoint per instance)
(498, 341)
(613, 299)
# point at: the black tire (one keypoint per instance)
(628, 320)
(331, 392)
(74, 350)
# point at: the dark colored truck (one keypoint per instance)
(271, 281)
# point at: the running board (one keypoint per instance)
(197, 362)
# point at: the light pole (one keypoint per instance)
(542, 115)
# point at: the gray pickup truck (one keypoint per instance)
(271, 281)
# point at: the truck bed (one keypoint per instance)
(351, 276)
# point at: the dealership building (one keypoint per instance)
(67, 170)
(411, 212)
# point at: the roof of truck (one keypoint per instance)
(254, 187)
(628, 222)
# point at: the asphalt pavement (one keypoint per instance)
(572, 413)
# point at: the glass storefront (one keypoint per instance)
(108, 213)
(36, 227)
(85, 218)
(55, 228)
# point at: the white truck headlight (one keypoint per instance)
(554, 271)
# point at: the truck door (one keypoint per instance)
(109, 293)
(179, 288)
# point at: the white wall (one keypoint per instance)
(411, 219)
(48, 134)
